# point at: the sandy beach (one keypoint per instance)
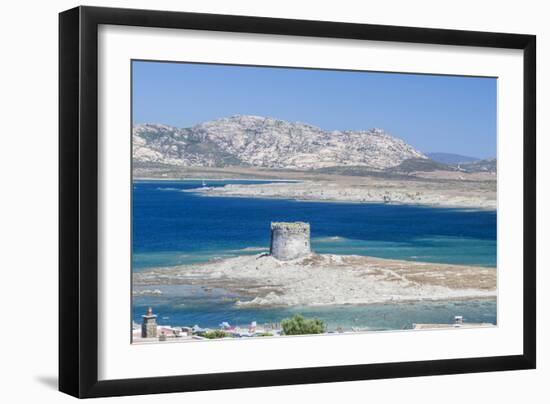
(326, 279)
(474, 195)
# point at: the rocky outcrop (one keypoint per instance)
(253, 141)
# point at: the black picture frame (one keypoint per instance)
(78, 201)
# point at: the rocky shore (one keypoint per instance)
(326, 279)
(474, 195)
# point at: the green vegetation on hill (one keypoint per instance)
(489, 165)
(424, 165)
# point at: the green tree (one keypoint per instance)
(213, 334)
(299, 325)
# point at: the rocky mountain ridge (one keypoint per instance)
(253, 141)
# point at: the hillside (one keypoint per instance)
(451, 158)
(253, 141)
(489, 165)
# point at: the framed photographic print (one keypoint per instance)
(251, 201)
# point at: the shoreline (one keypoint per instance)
(333, 188)
(327, 279)
(206, 179)
(184, 332)
(372, 202)
(328, 192)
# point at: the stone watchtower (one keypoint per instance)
(149, 325)
(289, 240)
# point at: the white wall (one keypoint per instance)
(28, 198)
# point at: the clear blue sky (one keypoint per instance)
(432, 113)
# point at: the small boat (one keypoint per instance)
(203, 183)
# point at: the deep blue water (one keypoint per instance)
(171, 227)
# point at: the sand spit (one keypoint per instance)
(326, 279)
(476, 195)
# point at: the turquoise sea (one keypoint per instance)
(171, 227)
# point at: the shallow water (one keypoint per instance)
(193, 305)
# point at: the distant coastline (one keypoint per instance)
(138, 179)
(318, 191)
(444, 194)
